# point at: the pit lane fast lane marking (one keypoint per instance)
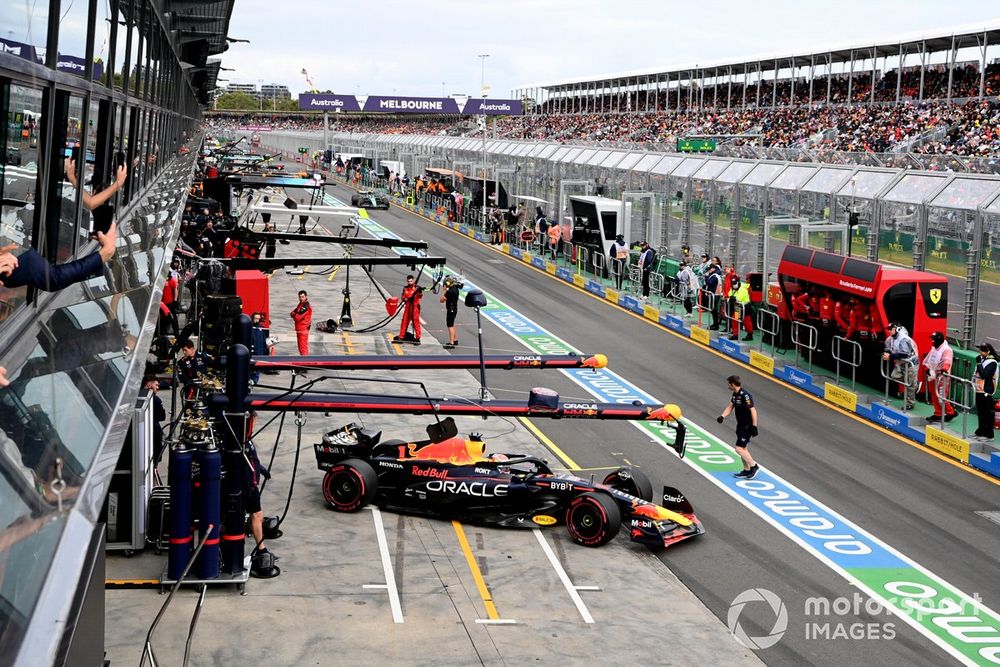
(571, 588)
(912, 443)
(570, 463)
(390, 577)
(477, 576)
(920, 598)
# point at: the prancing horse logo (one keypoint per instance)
(935, 295)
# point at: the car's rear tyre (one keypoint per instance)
(350, 485)
(631, 481)
(593, 519)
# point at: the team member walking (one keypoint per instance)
(302, 315)
(741, 402)
(450, 300)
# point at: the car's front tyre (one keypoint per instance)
(593, 519)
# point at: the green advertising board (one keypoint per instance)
(696, 145)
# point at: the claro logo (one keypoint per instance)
(478, 489)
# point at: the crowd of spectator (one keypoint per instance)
(338, 123)
(844, 88)
(972, 128)
(936, 126)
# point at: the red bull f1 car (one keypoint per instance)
(451, 477)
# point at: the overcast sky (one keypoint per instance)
(423, 48)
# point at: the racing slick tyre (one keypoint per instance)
(593, 519)
(631, 481)
(350, 485)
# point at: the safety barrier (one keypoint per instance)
(732, 314)
(965, 405)
(635, 277)
(707, 302)
(582, 258)
(656, 285)
(599, 263)
(841, 345)
(812, 339)
(769, 325)
(617, 269)
(906, 377)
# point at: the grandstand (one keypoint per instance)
(835, 75)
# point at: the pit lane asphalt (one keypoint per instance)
(922, 506)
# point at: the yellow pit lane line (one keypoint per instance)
(484, 592)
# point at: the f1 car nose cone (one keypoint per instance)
(596, 361)
(669, 412)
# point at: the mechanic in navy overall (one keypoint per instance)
(450, 300)
(741, 402)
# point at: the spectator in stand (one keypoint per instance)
(302, 317)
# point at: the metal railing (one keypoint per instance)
(599, 264)
(582, 258)
(967, 388)
(907, 377)
(840, 346)
(768, 324)
(707, 301)
(617, 267)
(812, 338)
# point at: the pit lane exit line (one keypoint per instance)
(390, 577)
(956, 622)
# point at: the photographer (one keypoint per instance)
(412, 293)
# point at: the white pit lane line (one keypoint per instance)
(390, 576)
(564, 578)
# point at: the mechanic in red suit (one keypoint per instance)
(412, 294)
(302, 315)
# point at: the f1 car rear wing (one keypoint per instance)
(430, 361)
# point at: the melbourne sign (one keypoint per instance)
(475, 106)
